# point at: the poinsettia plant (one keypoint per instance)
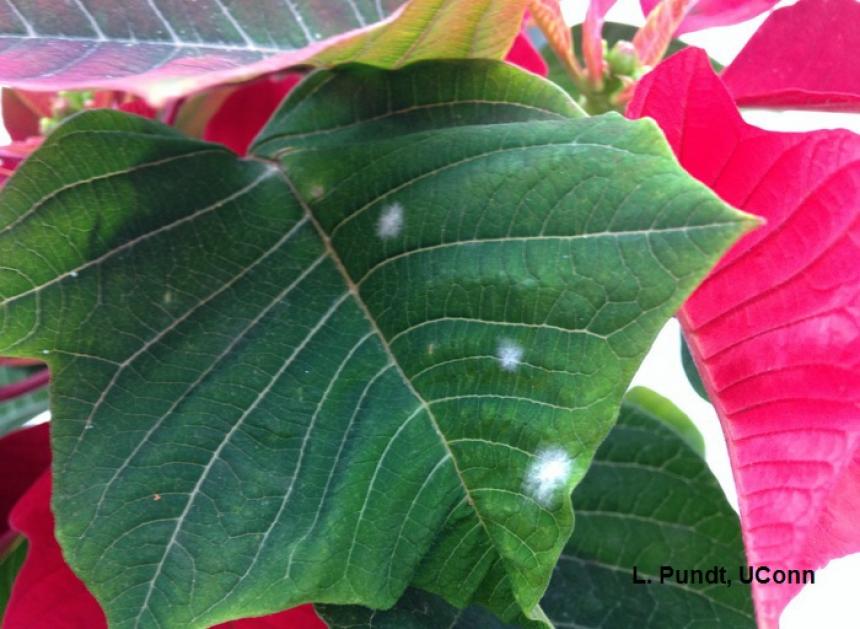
(340, 304)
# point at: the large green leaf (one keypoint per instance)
(648, 500)
(380, 352)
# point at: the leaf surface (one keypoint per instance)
(648, 500)
(691, 370)
(648, 402)
(816, 41)
(381, 353)
(167, 48)
(775, 329)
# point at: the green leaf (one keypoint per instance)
(648, 402)
(19, 410)
(415, 610)
(11, 559)
(380, 353)
(692, 371)
(648, 500)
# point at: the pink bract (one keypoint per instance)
(592, 42)
(709, 13)
(775, 329)
(814, 66)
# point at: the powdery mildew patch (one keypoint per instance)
(548, 473)
(390, 222)
(510, 355)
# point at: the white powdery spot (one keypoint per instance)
(510, 355)
(390, 222)
(73, 274)
(548, 473)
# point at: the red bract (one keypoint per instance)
(775, 329)
(47, 594)
(303, 617)
(246, 110)
(802, 56)
(709, 13)
(525, 55)
(13, 154)
(22, 112)
(139, 107)
(24, 455)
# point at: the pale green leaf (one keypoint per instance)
(649, 402)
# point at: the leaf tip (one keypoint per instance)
(750, 222)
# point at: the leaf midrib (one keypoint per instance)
(353, 290)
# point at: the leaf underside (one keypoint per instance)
(340, 368)
(648, 500)
(167, 48)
